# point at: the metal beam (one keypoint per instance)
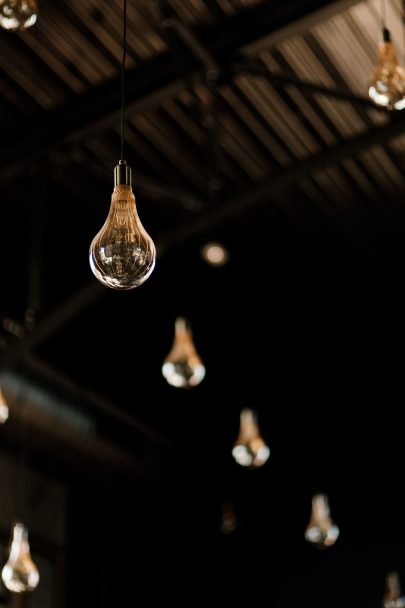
(296, 27)
(284, 80)
(147, 85)
(54, 321)
(45, 371)
(261, 193)
(255, 196)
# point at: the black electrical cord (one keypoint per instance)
(383, 15)
(123, 80)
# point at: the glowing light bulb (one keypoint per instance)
(18, 14)
(20, 573)
(122, 254)
(229, 520)
(387, 86)
(183, 367)
(392, 596)
(215, 254)
(250, 449)
(3, 408)
(321, 531)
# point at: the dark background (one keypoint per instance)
(305, 324)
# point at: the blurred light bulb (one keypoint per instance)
(18, 14)
(122, 254)
(250, 449)
(392, 596)
(183, 367)
(215, 254)
(321, 530)
(3, 408)
(387, 87)
(229, 520)
(20, 573)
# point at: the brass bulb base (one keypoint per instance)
(122, 174)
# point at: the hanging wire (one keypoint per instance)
(403, 30)
(21, 466)
(123, 79)
(383, 15)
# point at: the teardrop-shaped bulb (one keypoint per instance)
(250, 449)
(387, 86)
(392, 596)
(3, 408)
(321, 530)
(183, 367)
(18, 14)
(20, 573)
(122, 254)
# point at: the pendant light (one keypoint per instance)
(17, 15)
(229, 519)
(321, 531)
(4, 411)
(20, 574)
(122, 254)
(250, 449)
(387, 85)
(183, 367)
(392, 595)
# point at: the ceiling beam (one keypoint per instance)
(281, 81)
(297, 26)
(148, 84)
(259, 194)
(262, 193)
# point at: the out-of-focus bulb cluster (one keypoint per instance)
(321, 530)
(20, 574)
(387, 86)
(392, 596)
(18, 14)
(183, 367)
(4, 413)
(250, 450)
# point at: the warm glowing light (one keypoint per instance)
(250, 449)
(387, 86)
(392, 596)
(215, 254)
(321, 530)
(18, 14)
(229, 520)
(122, 254)
(183, 367)
(20, 574)
(4, 412)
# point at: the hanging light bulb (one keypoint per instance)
(20, 573)
(18, 14)
(250, 449)
(387, 86)
(122, 254)
(183, 367)
(392, 596)
(229, 519)
(321, 531)
(3, 408)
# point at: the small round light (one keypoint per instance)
(215, 254)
